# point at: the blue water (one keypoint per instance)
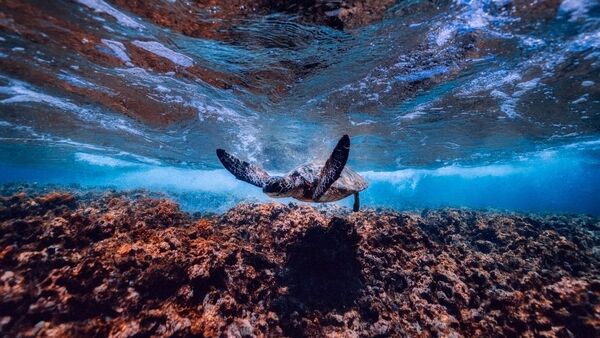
(466, 104)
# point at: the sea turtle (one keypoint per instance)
(311, 182)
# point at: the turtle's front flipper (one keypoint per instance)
(243, 170)
(333, 167)
(356, 203)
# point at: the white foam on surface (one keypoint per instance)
(508, 104)
(231, 113)
(362, 123)
(162, 89)
(30, 135)
(411, 116)
(76, 81)
(444, 35)
(489, 81)
(424, 74)
(503, 85)
(581, 99)
(586, 42)
(22, 93)
(526, 86)
(159, 49)
(477, 19)
(576, 9)
(119, 50)
(587, 83)
(102, 7)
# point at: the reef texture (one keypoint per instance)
(128, 265)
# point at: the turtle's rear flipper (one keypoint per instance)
(333, 167)
(244, 171)
(356, 205)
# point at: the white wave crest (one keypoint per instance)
(159, 49)
(119, 50)
(102, 7)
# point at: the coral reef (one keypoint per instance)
(129, 265)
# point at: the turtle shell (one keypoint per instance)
(306, 177)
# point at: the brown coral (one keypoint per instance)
(123, 265)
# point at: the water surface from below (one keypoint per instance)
(459, 103)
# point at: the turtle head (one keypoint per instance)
(278, 186)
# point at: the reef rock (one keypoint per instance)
(128, 265)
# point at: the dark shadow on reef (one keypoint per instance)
(322, 270)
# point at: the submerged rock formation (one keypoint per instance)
(129, 265)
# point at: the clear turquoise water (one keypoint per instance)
(469, 104)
